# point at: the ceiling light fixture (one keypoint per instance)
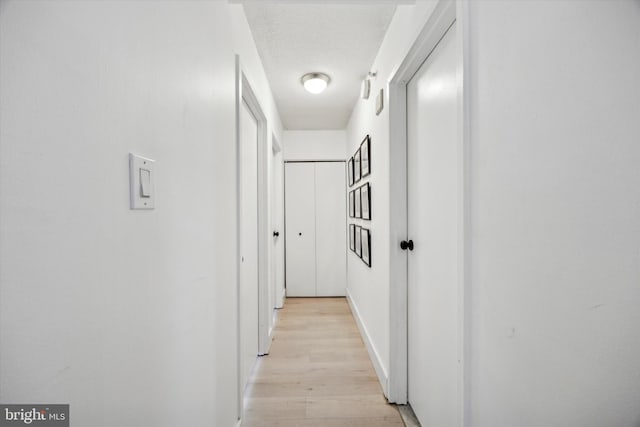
(315, 82)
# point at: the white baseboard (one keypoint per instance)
(373, 354)
(274, 321)
(280, 299)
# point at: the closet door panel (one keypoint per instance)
(331, 229)
(300, 230)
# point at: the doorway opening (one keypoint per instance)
(437, 54)
(253, 307)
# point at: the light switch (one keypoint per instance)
(145, 183)
(142, 177)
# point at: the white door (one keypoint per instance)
(277, 257)
(248, 243)
(300, 228)
(331, 229)
(279, 214)
(432, 187)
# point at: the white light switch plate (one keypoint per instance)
(142, 178)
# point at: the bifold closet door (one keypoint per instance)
(300, 229)
(331, 226)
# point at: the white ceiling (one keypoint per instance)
(338, 39)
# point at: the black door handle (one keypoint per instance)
(276, 233)
(404, 245)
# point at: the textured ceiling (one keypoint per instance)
(340, 40)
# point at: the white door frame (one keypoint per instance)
(445, 13)
(278, 221)
(244, 92)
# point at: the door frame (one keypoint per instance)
(245, 92)
(445, 13)
(277, 164)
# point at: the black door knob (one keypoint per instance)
(276, 233)
(404, 245)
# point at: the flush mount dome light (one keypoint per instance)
(315, 82)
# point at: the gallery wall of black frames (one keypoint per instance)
(358, 169)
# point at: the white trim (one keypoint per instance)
(283, 295)
(264, 311)
(398, 339)
(340, 2)
(275, 317)
(278, 223)
(443, 16)
(373, 353)
(276, 146)
(313, 160)
(244, 92)
(464, 144)
(239, 391)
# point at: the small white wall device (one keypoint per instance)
(379, 102)
(365, 89)
(141, 178)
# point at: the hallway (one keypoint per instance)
(455, 182)
(318, 372)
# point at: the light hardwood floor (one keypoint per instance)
(318, 372)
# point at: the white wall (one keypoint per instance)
(368, 288)
(123, 314)
(555, 202)
(555, 210)
(314, 144)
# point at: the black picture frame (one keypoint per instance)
(358, 203)
(365, 157)
(352, 237)
(365, 246)
(365, 201)
(358, 241)
(350, 172)
(352, 203)
(357, 171)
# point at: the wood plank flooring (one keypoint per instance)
(318, 373)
